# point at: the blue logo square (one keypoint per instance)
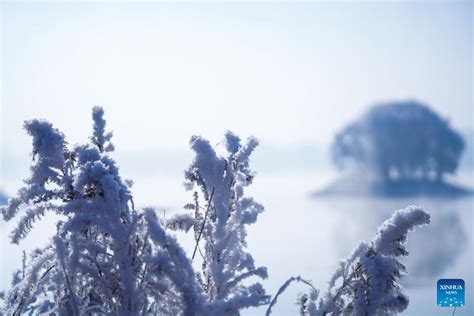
(450, 293)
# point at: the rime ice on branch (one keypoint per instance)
(106, 258)
(221, 214)
(366, 282)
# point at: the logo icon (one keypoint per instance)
(450, 293)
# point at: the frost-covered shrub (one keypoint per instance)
(221, 212)
(106, 257)
(109, 258)
(366, 282)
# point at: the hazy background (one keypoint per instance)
(291, 74)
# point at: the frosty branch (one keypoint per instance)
(107, 257)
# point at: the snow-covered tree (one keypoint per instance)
(366, 282)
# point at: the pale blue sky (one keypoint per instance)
(289, 73)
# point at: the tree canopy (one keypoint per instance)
(400, 141)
